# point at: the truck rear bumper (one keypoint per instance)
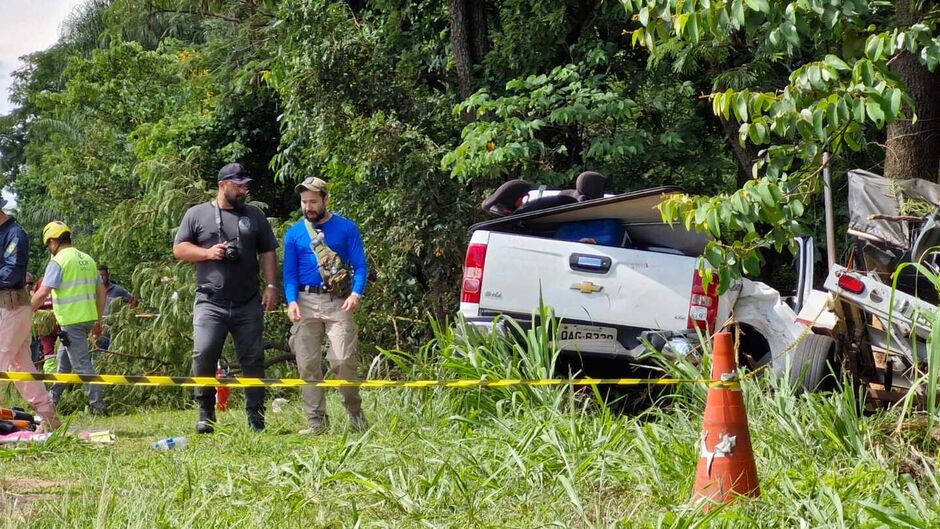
(631, 341)
(486, 325)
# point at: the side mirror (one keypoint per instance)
(805, 264)
(925, 247)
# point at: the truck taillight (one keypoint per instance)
(473, 273)
(703, 305)
(851, 283)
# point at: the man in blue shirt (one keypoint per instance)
(114, 291)
(16, 315)
(316, 309)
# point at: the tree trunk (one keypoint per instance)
(584, 11)
(478, 30)
(460, 41)
(576, 21)
(745, 155)
(913, 149)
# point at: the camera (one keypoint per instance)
(231, 250)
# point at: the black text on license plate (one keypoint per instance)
(585, 334)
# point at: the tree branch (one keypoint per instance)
(126, 355)
(278, 359)
(277, 346)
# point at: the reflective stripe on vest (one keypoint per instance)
(83, 281)
(75, 301)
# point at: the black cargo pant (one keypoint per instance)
(213, 319)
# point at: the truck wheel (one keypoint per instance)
(809, 363)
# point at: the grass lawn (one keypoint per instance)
(513, 457)
(435, 458)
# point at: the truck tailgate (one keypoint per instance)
(587, 282)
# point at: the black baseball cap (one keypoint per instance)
(234, 172)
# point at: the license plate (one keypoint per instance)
(568, 332)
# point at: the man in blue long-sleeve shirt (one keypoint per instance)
(315, 308)
(16, 315)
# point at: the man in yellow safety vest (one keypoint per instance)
(78, 299)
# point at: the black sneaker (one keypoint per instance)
(358, 423)
(256, 420)
(206, 420)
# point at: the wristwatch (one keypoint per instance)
(269, 285)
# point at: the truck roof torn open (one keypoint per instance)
(636, 210)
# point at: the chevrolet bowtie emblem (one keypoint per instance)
(586, 287)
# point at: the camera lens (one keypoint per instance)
(231, 251)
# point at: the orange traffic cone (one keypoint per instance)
(726, 468)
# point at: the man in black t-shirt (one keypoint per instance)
(224, 238)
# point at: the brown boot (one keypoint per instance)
(50, 423)
(318, 426)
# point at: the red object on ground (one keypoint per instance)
(19, 424)
(221, 394)
(47, 343)
(726, 468)
(9, 415)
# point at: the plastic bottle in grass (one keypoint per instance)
(170, 443)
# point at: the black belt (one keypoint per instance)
(310, 289)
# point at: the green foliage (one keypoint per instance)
(565, 98)
(119, 150)
(359, 112)
(601, 111)
(828, 102)
(459, 351)
(122, 124)
(925, 382)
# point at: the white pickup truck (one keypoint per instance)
(632, 278)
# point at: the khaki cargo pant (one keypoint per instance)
(323, 315)
(16, 320)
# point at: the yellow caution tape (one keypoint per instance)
(246, 382)
(152, 315)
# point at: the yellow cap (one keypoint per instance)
(54, 230)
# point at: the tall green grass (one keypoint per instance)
(925, 381)
(461, 351)
(498, 457)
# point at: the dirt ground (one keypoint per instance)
(20, 494)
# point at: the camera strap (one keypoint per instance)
(334, 272)
(218, 224)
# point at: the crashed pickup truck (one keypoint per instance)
(619, 278)
(880, 331)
